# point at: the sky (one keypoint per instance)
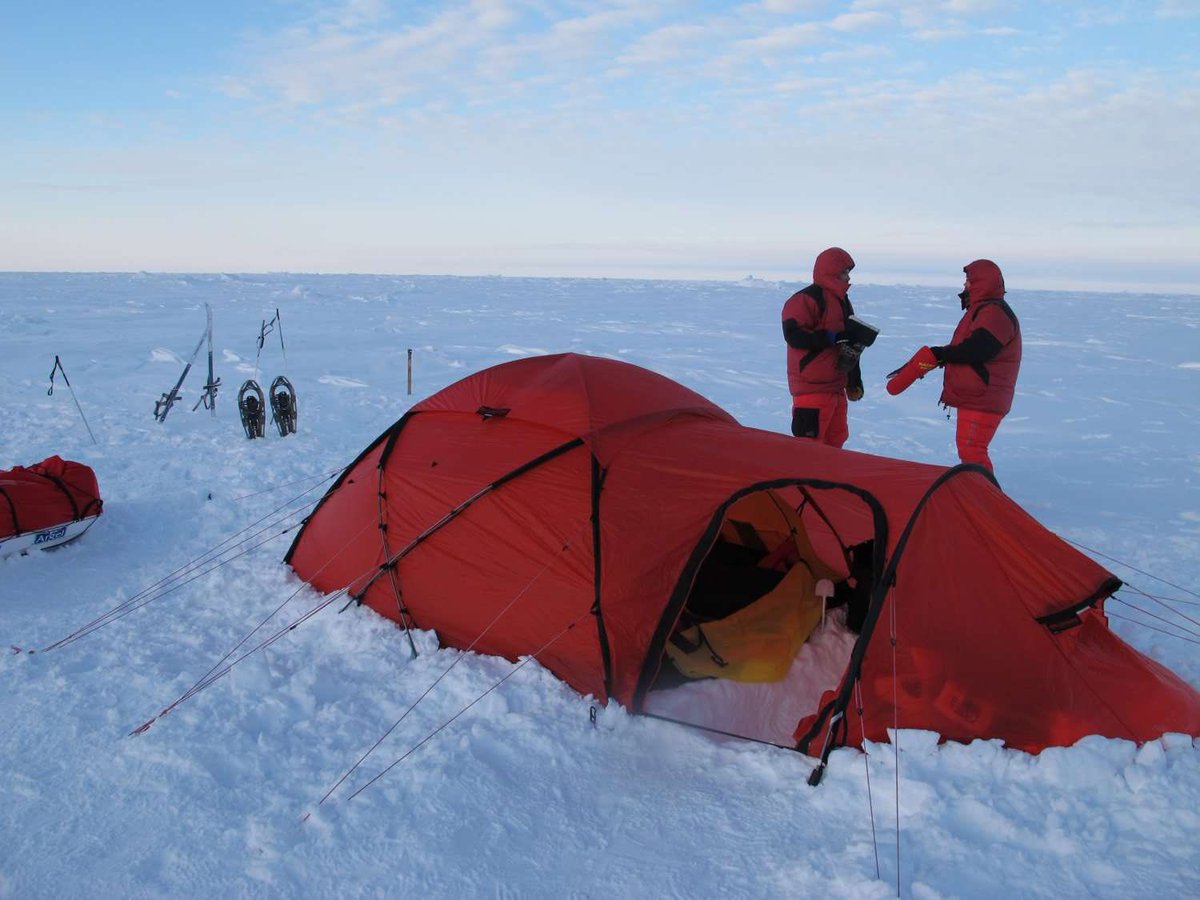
(622, 138)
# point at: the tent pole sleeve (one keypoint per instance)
(454, 513)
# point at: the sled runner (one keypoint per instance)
(46, 505)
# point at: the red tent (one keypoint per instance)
(46, 504)
(602, 518)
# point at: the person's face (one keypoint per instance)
(844, 276)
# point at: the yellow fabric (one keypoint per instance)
(774, 522)
(759, 642)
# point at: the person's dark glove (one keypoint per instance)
(848, 355)
(834, 337)
(854, 384)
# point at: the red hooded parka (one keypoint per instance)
(813, 370)
(988, 386)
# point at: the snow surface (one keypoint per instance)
(521, 794)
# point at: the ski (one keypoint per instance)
(209, 396)
(163, 405)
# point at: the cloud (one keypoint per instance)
(784, 38)
(783, 7)
(859, 21)
(602, 104)
(667, 44)
(1177, 9)
(933, 15)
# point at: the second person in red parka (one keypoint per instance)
(820, 381)
(981, 362)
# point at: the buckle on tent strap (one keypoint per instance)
(1058, 626)
(493, 412)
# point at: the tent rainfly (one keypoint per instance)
(643, 545)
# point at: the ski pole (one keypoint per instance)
(58, 367)
(279, 325)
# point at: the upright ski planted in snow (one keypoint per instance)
(163, 405)
(209, 397)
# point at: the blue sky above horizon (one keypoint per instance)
(638, 138)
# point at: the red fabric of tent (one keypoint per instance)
(562, 506)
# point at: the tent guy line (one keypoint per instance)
(440, 728)
(148, 594)
(215, 673)
(458, 658)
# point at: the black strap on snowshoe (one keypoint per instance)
(283, 406)
(252, 407)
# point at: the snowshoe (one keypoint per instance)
(253, 408)
(283, 406)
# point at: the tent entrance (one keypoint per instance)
(763, 632)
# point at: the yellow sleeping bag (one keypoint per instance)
(757, 643)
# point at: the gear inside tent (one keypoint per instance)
(647, 548)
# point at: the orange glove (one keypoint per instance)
(922, 362)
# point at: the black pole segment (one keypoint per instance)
(598, 475)
(683, 587)
(454, 513)
(388, 435)
(883, 584)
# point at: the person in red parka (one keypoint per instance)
(821, 376)
(981, 362)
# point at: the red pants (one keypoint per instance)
(974, 433)
(821, 416)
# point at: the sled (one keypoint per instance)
(46, 505)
